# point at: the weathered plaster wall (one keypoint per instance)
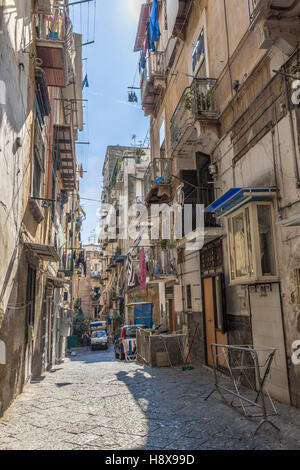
(15, 123)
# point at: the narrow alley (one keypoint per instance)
(94, 401)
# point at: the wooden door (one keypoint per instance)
(209, 316)
(214, 318)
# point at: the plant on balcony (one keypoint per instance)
(203, 100)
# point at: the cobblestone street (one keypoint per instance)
(93, 401)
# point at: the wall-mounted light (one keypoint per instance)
(212, 168)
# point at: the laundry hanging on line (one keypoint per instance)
(154, 25)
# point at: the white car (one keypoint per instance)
(99, 339)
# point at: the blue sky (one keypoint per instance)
(111, 67)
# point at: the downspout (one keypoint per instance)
(292, 132)
(230, 77)
(275, 168)
(284, 343)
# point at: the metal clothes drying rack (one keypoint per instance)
(239, 360)
(130, 352)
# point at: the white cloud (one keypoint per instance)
(135, 7)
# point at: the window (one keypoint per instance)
(252, 253)
(297, 285)
(38, 161)
(30, 296)
(189, 304)
(266, 240)
(198, 55)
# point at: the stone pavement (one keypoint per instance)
(93, 401)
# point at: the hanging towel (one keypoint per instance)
(130, 271)
(142, 270)
(154, 25)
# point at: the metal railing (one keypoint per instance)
(200, 195)
(148, 180)
(241, 363)
(162, 263)
(253, 8)
(198, 102)
(155, 67)
(66, 263)
(55, 28)
(158, 172)
(157, 63)
(162, 170)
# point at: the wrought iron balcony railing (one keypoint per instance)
(197, 103)
(66, 263)
(200, 195)
(161, 262)
(155, 68)
(159, 172)
(148, 180)
(253, 8)
(162, 171)
(55, 44)
(257, 8)
(53, 27)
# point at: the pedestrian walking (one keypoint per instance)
(85, 340)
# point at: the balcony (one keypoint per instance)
(65, 148)
(276, 22)
(158, 177)
(194, 124)
(161, 264)
(54, 44)
(95, 274)
(153, 81)
(182, 17)
(200, 195)
(66, 264)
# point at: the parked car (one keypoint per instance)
(126, 332)
(99, 339)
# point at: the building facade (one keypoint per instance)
(40, 215)
(220, 85)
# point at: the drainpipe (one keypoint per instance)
(72, 244)
(284, 343)
(292, 132)
(275, 168)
